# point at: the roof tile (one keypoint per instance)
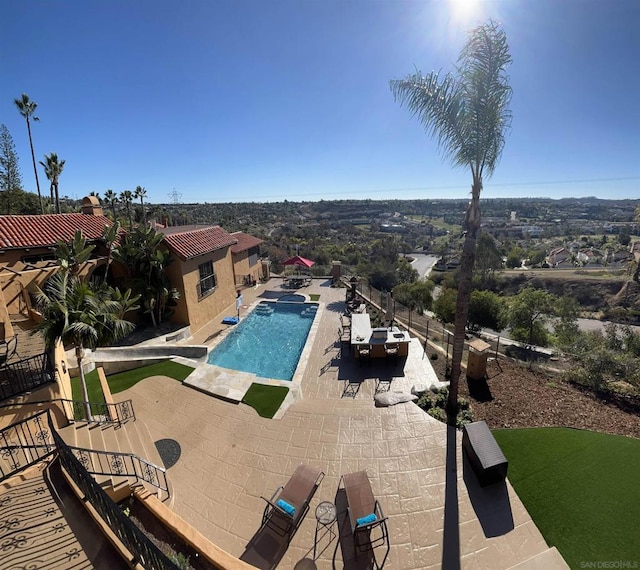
(192, 243)
(245, 241)
(45, 230)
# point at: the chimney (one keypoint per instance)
(91, 206)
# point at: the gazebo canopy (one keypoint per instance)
(299, 261)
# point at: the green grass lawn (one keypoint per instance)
(123, 380)
(581, 488)
(314, 297)
(265, 400)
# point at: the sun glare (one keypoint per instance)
(466, 10)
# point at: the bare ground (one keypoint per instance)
(518, 397)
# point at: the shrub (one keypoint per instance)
(441, 399)
(464, 417)
(425, 402)
(434, 356)
(438, 413)
(463, 404)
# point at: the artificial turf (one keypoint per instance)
(123, 380)
(265, 400)
(581, 489)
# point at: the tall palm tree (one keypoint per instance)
(140, 192)
(468, 114)
(52, 169)
(112, 199)
(126, 197)
(27, 108)
(76, 314)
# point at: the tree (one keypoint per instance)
(488, 261)
(486, 309)
(10, 176)
(140, 192)
(468, 114)
(52, 169)
(72, 256)
(126, 197)
(406, 272)
(528, 313)
(514, 258)
(566, 327)
(27, 108)
(76, 314)
(416, 296)
(112, 199)
(140, 252)
(444, 306)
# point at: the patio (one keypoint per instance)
(438, 514)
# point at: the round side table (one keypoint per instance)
(326, 515)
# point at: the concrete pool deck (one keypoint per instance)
(438, 515)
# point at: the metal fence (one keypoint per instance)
(25, 375)
(24, 443)
(147, 554)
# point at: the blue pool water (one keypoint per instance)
(268, 342)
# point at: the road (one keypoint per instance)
(423, 263)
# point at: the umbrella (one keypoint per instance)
(300, 261)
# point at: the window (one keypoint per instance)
(207, 281)
(253, 256)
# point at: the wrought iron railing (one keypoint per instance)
(147, 554)
(118, 464)
(24, 443)
(101, 412)
(25, 375)
(98, 412)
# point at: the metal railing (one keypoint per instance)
(118, 464)
(25, 375)
(24, 443)
(147, 554)
(99, 412)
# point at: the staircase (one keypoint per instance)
(119, 457)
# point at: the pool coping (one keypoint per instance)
(231, 385)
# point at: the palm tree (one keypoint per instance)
(76, 314)
(140, 192)
(126, 197)
(52, 170)
(468, 114)
(112, 199)
(27, 108)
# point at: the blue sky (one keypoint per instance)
(262, 100)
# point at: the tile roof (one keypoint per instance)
(194, 242)
(46, 229)
(245, 241)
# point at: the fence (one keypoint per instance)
(24, 443)
(25, 375)
(144, 551)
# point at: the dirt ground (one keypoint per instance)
(515, 396)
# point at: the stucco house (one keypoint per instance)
(27, 245)
(202, 272)
(246, 258)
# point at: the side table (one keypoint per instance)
(326, 515)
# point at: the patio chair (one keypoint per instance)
(368, 523)
(391, 349)
(364, 353)
(289, 504)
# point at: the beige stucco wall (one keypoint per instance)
(241, 267)
(184, 275)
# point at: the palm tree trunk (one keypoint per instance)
(52, 197)
(113, 210)
(57, 198)
(464, 295)
(35, 169)
(144, 214)
(85, 393)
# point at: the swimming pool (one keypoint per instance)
(268, 342)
